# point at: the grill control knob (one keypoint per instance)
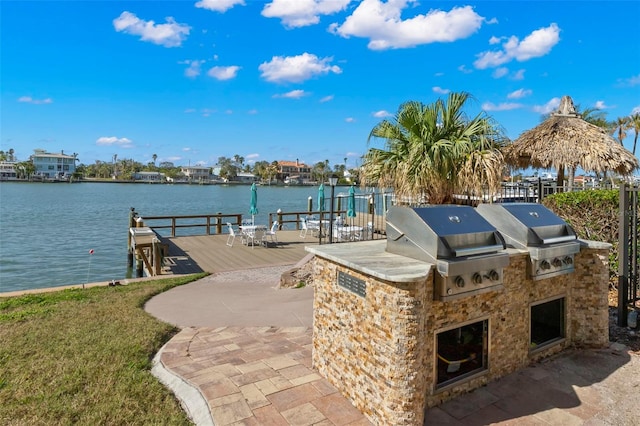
(545, 264)
(494, 275)
(477, 278)
(459, 281)
(568, 260)
(556, 262)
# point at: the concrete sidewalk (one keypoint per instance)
(243, 357)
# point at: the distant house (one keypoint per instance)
(196, 173)
(294, 172)
(245, 177)
(149, 177)
(8, 170)
(50, 165)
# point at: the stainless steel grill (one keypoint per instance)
(551, 242)
(467, 250)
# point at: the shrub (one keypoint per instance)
(593, 215)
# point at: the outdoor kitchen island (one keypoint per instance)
(391, 338)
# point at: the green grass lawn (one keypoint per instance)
(84, 356)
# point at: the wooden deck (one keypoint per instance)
(210, 253)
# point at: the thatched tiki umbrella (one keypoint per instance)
(565, 140)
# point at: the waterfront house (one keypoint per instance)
(49, 165)
(8, 170)
(196, 173)
(149, 177)
(294, 171)
(244, 177)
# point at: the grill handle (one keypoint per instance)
(477, 250)
(561, 239)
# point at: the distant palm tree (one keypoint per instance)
(619, 128)
(635, 124)
(155, 157)
(435, 151)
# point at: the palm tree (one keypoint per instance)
(155, 157)
(435, 151)
(635, 124)
(619, 128)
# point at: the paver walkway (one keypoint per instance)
(262, 375)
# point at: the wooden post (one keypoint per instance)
(219, 223)
(139, 267)
(156, 248)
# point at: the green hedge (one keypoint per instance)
(593, 215)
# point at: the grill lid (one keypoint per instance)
(440, 232)
(525, 225)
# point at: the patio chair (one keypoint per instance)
(232, 235)
(305, 228)
(248, 236)
(270, 234)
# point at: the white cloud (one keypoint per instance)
(439, 90)
(296, 68)
(600, 105)
(224, 73)
(381, 114)
(519, 94)
(549, 107)
(495, 40)
(189, 110)
(632, 81)
(219, 5)
(463, 69)
(114, 141)
(194, 68)
(518, 75)
(301, 13)
(383, 25)
(636, 110)
(500, 72)
(350, 120)
(294, 94)
(537, 44)
(30, 100)
(186, 149)
(171, 34)
(504, 106)
(252, 112)
(326, 99)
(251, 156)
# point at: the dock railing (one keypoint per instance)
(209, 222)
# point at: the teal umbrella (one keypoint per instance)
(351, 203)
(253, 208)
(321, 197)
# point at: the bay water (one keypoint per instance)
(48, 229)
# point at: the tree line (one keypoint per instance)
(229, 167)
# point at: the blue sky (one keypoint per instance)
(191, 81)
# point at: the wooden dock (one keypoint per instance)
(210, 253)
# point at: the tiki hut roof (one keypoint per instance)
(566, 140)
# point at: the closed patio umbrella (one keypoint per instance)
(351, 203)
(321, 198)
(253, 207)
